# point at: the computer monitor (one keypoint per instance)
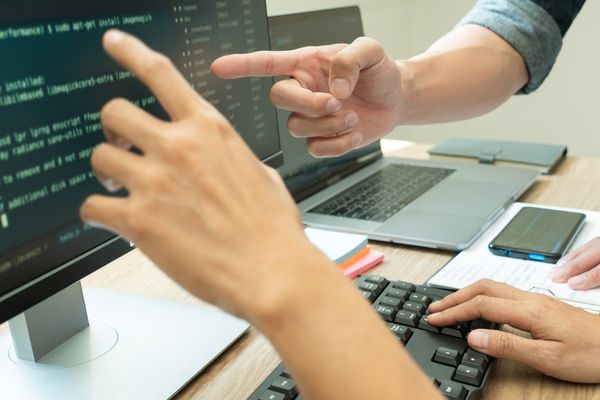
(304, 174)
(55, 79)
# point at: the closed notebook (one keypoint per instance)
(539, 156)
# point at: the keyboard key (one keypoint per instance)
(286, 386)
(446, 356)
(285, 373)
(387, 313)
(414, 307)
(482, 324)
(459, 330)
(391, 302)
(420, 298)
(271, 395)
(368, 287)
(453, 390)
(368, 295)
(407, 318)
(475, 359)
(377, 279)
(397, 293)
(431, 292)
(403, 333)
(424, 324)
(467, 374)
(404, 286)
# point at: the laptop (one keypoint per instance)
(434, 204)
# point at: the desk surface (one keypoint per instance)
(237, 373)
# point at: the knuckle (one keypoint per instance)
(345, 62)
(138, 215)
(505, 344)
(485, 285)
(158, 181)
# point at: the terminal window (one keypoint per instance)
(56, 78)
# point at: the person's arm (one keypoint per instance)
(347, 96)
(467, 73)
(223, 226)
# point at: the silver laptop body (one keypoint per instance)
(451, 215)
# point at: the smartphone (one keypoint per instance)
(538, 234)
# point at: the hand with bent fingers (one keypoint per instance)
(580, 268)
(341, 96)
(564, 343)
(197, 195)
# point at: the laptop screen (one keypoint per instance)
(305, 175)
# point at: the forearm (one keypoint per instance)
(467, 73)
(335, 344)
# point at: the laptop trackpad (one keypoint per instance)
(425, 226)
(468, 198)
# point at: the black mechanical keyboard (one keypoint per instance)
(381, 195)
(459, 372)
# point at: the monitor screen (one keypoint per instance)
(56, 78)
(304, 174)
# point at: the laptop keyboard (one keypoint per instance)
(381, 195)
(459, 372)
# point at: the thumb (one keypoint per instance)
(508, 346)
(347, 65)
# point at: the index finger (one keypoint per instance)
(155, 71)
(484, 287)
(491, 309)
(257, 64)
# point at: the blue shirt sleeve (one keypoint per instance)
(535, 28)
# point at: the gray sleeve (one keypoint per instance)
(529, 28)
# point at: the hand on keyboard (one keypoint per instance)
(565, 341)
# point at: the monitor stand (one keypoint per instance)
(132, 347)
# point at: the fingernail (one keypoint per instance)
(341, 88)
(122, 143)
(334, 105)
(351, 120)
(110, 184)
(561, 263)
(479, 340)
(435, 304)
(94, 224)
(433, 315)
(113, 36)
(357, 140)
(577, 281)
(558, 274)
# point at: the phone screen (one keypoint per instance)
(538, 231)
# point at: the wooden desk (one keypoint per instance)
(238, 372)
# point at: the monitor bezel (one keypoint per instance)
(27, 296)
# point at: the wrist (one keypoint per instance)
(408, 92)
(298, 274)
